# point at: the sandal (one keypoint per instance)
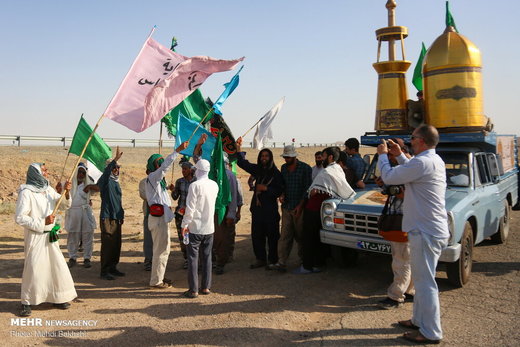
(408, 324)
(189, 294)
(417, 337)
(205, 291)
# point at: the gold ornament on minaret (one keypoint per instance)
(391, 110)
(453, 84)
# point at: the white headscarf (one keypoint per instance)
(86, 182)
(202, 169)
(332, 181)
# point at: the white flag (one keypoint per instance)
(263, 129)
(93, 171)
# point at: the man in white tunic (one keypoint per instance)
(160, 214)
(46, 277)
(198, 223)
(79, 218)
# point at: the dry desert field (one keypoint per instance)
(247, 307)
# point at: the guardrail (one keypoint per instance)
(17, 139)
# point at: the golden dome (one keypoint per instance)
(451, 49)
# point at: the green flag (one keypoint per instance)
(417, 72)
(193, 107)
(97, 151)
(450, 22)
(218, 174)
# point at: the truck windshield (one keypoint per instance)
(457, 168)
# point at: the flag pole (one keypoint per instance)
(247, 132)
(160, 137)
(64, 166)
(198, 126)
(77, 162)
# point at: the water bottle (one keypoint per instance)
(186, 239)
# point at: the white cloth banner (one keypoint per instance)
(263, 129)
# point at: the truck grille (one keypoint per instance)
(359, 223)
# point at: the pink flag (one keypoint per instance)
(187, 77)
(153, 64)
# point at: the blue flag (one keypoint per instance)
(185, 128)
(230, 87)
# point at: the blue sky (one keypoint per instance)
(64, 58)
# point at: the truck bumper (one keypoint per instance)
(451, 253)
(377, 244)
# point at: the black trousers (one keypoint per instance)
(110, 244)
(314, 252)
(262, 230)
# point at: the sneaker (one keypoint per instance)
(116, 272)
(72, 262)
(63, 306)
(408, 297)
(107, 277)
(301, 271)
(389, 304)
(162, 285)
(272, 267)
(281, 268)
(87, 264)
(258, 264)
(185, 265)
(219, 270)
(26, 311)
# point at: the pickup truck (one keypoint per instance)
(482, 187)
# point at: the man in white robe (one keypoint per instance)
(46, 276)
(79, 218)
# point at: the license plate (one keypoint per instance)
(374, 247)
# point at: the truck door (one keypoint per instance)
(488, 204)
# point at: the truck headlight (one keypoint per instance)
(328, 208)
(451, 226)
(327, 222)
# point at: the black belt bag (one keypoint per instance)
(157, 210)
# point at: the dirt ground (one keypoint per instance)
(247, 307)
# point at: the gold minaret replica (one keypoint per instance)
(453, 84)
(391, 111)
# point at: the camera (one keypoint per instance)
(393, 190)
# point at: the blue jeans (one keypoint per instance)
(425, 251)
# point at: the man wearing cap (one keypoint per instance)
(79, 218)
(198, 223)
(180, 192)
(297, 178)
(160, 214)
(111, 219)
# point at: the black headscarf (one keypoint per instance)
(35, 177)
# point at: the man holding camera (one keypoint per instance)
(426, 222)
(402, 288)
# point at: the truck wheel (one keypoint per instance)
(459, 271)
(503, 226)
(344, 257)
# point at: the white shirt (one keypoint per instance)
(315, 171)
(155, 194)
(200, 207)
(424, 177)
